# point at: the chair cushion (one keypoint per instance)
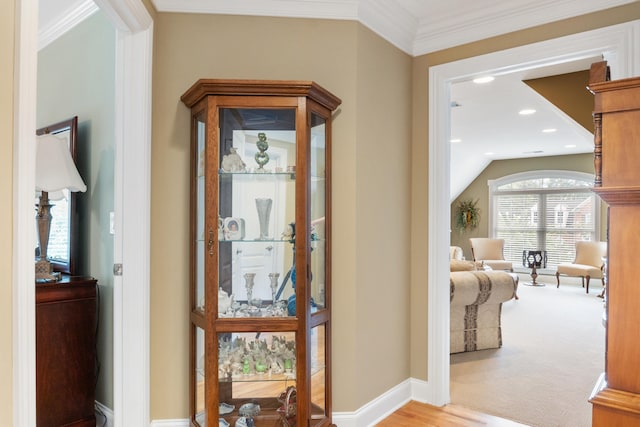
(580, 270)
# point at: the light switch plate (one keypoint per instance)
(112, 223)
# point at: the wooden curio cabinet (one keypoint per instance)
(260, 279)
(616, 397)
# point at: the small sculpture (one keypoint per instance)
(224, 301)
(220, 229)
(249, 410)
(232, 162)
(289, 233)
(262, 158)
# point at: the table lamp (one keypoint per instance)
(55, 171)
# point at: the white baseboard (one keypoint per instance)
(104, 415)
(367, 415)
(170, 423)
(421, 391)
(377, 409)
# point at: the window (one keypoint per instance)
(543, 210)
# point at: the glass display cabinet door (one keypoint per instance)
(198, 251)
(256, 260)
(319, 202)
(256, 199)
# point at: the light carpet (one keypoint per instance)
(551, 357)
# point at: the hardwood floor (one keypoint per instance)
(420, 414)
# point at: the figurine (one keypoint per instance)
(221, 235)
(289, 233)
(262, 158)
(224, 301)
(232, 162)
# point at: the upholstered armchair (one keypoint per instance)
(490, 252)
(587, 264)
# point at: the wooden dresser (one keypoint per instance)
(66, 352)
(616, 398)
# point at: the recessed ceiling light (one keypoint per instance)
(550, 130)
(454, 140)
(484, 79)
(570, 146)
(526, 111)
(488, 153)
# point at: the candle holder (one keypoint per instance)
(273, 277)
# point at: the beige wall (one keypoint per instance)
(479, 189)
(371, 153)
(6, 210)
(420, 157)
(382, 193)
(569, 93)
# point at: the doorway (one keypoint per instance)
(613, 43)
(131, 294)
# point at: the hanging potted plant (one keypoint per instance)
(467, 215)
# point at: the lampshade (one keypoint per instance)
(55, 168)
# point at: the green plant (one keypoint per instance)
(467, 215)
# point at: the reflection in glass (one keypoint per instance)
(318, 158)
(200, 209)
(318, 374)
(253, 366)
(199, 364)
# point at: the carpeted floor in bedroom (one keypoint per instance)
(552, 354)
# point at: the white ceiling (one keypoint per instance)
(486, 120)
(484, 117)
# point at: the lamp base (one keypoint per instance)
(44, 271)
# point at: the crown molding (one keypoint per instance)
(387, 18)
(324, 9)
(127, 15)
(390, 21)
(384, 17)
(398, 25)
(458, 28)
(72, 17)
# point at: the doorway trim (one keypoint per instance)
(134, 36)
(616, 44)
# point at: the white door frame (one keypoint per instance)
(134, 36)
(618, 44)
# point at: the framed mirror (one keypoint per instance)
(63, 237)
